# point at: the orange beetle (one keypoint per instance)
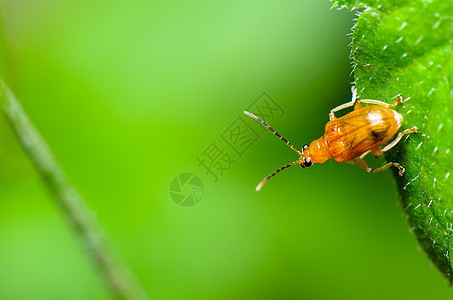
(351, 137)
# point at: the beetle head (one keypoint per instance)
(305, 158)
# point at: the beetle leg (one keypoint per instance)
(343, 106)
(398, 100)
(354, 93)
(377, 151)
(395, 141)
(367, 168)
(364, 154)
(338, 108)
(377, 102)
(358, 105)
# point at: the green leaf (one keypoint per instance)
(405, 47)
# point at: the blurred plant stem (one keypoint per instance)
(121, 283)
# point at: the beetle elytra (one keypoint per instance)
(351, 137)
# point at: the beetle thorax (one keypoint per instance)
(318, 151)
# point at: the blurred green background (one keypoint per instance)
(129, 93)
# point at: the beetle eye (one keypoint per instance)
(307, 162)
(305, 147)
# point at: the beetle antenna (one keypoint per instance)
(275, 133)
(260, 185)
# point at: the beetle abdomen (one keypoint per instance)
(359, 131)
